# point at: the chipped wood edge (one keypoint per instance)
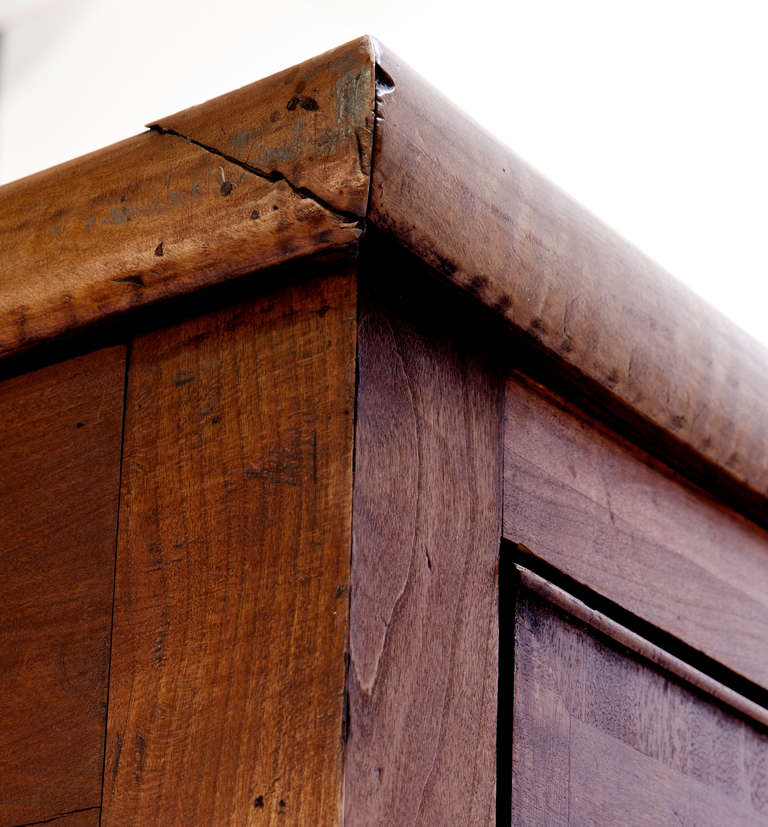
(627, 340)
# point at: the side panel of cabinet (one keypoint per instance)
(59, 478)
(602, 736)
(227, 680)
(423, 625)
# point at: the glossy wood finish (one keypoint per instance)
(156, 216)
(602, 737)
(607, 515)
(613, 320)
(59, 477)
(227, 680)
(423, 627)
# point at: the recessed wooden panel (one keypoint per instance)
(610, 517)
(227, 678)
(59, 477)
(603, 737)
(423, 634)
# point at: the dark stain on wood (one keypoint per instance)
(136, 281)
(302, 102)
(183, 377)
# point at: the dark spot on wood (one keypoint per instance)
(429, 559)
(310, 104)
(80, 425)
(258, 802)
(140, 746)
(340, 592)
(283, 466)
(123, 198)
(444, 265)
(537, 324)
(197, 338)
(226, 187)
(159, 249)
(183, 377)
(678, 422)
(503, 304)
(534, 622)
(118, 750)
(478, 284)
(323, 310)
(138, 281)
(275, 207)
(156, 552)
(254, 214)
(158, 650)
(215, 420)
(281, 804)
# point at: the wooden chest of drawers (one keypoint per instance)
(350, 472)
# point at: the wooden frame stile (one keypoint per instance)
(293, 366)
(427, 522)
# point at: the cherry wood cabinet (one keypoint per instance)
(351, 473)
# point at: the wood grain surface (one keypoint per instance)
(228, 669)
(468, 206)
(602, 737)
(610, 517)
(311, 124)
(423, 624)
(282, 168)
(59, 478)
(156, 216)
(663, 659)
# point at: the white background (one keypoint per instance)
(654, 115)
